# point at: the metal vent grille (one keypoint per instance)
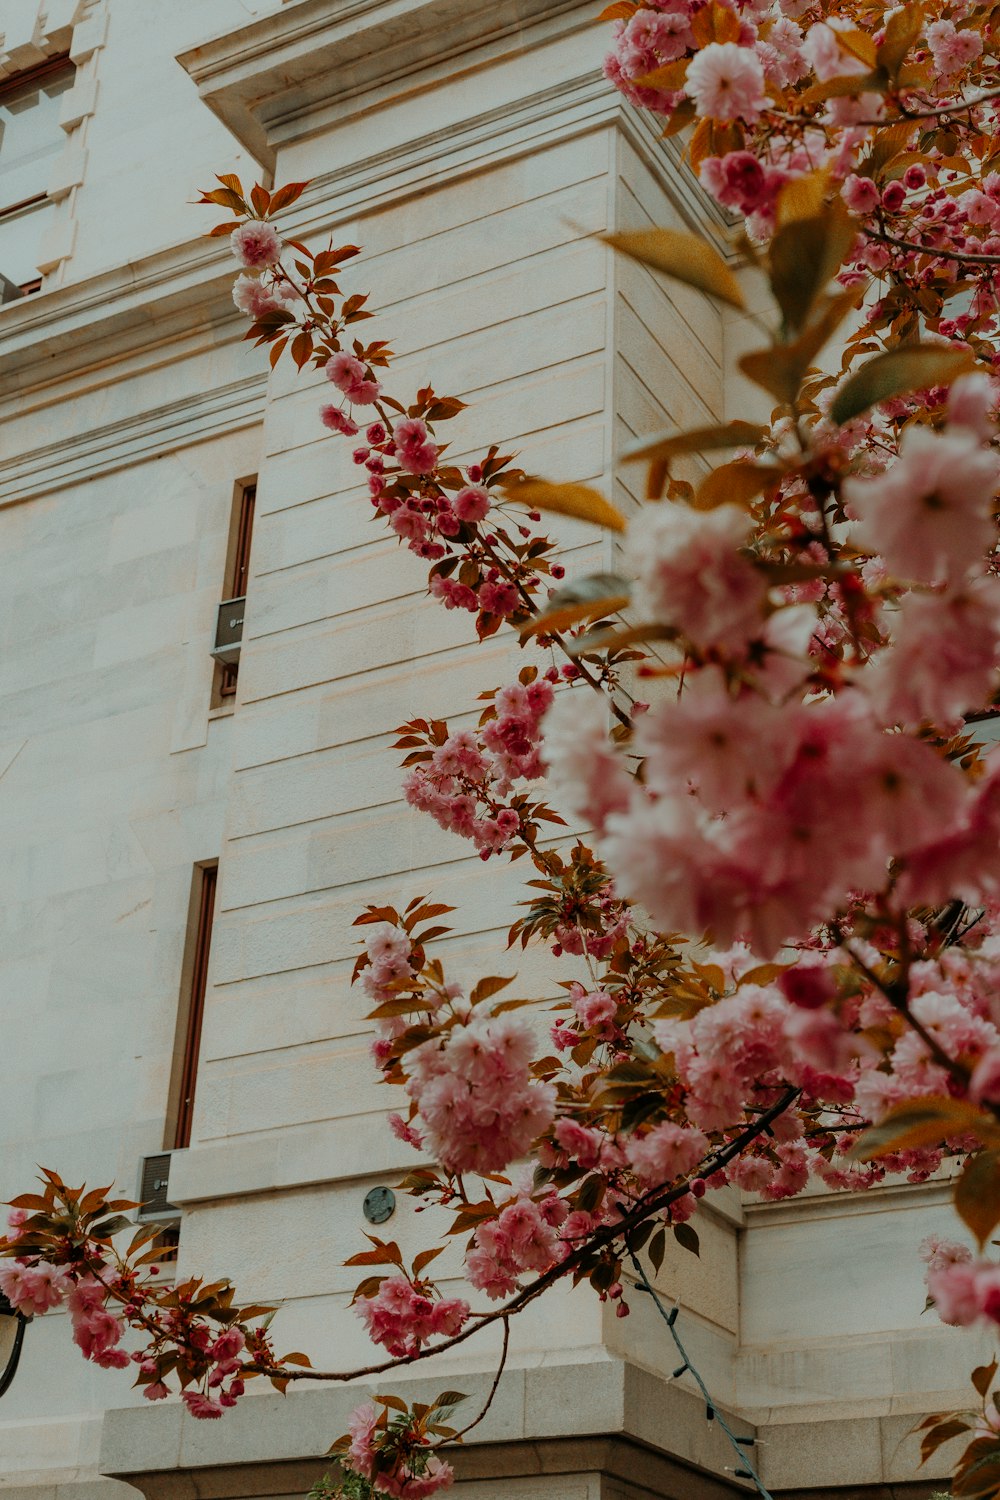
(153, 1176)
(229, 631)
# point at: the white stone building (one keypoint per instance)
(471, 149)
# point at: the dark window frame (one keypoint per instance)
(8, 86)
(238, 568)
(191, 1013)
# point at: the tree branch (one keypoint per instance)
(651, 1203)
(964, 256)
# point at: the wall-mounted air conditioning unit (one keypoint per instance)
(229, 631)
(154, 1173)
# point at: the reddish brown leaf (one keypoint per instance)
(283, 196)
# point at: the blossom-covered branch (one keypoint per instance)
(781, 934)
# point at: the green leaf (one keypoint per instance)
(105, 1228)
(895, 374)
(902, 30)
(394, 1403)
(687, 1238)
(670, 76)
(585, 598)
(696, 440)
(686, 257)
(286, 195)
(490, 986)
(590, 1193)
(781, 369)
(846, 86)
(618, 640)
(735, 484)
(924, 1122)
(802, 197)
(423, 1260)
(448, 1399)
(941, 1432)
(577, 500)
(977, 1194)
(805, 254)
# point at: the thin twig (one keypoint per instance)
(940, 113)
(493, 1388)
(651, 1203)
(965, 256)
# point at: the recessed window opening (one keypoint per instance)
(30, 139)
(236, 579)
(191, 1012)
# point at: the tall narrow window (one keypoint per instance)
(192, 1010)
(237, 571)
(30, 139)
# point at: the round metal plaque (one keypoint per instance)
(379, 1205)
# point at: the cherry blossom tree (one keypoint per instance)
(779, 921)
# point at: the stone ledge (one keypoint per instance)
(303, 56)
(62, 1486)
(87, 323)
(326, 1152)
(298, 1156)
(600, 1397)
(551, 1411)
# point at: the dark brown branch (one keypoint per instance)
(651, 1203)
(941, 112)
(965, 256)
(493, 1388)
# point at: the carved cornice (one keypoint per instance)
(92, 323)
(166, 306)
(290, 74)
(102, 450)
(264, 79)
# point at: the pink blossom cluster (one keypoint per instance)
(691, 572)
(433, 524)
(389, 950)
(404, 1480)
(464, 784)
(953, 1008)
(929, 514)
(479, 1105)
(665, 1152)
(33, 1289)
(97, 1332)
(739, 827)
(951, 49)
(256, 245)
(732, 83)
(258, 296)
(595, 1015)
(218, 1355)
(752, 1039)
(482, 572)
(403, 1318)
(523, 1237)
(649, 40)
(352, 379)
(964, 1291)
(574, 939)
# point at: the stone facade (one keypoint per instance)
(472, 151)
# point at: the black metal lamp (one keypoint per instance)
(12, 1326)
